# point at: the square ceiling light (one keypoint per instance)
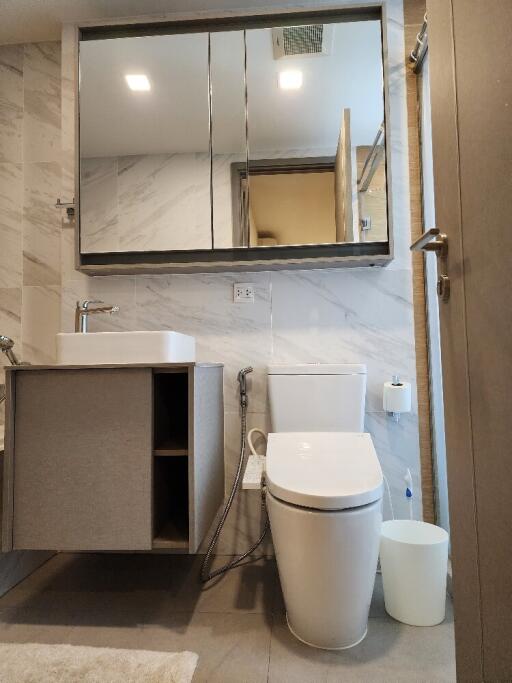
(138, 82)
(290, 79)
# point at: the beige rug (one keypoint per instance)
(33, 663)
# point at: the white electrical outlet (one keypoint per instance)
(243, 293)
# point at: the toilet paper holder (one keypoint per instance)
(396, 398)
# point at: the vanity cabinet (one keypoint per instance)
(119, 458)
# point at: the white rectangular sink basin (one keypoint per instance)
(125, 348)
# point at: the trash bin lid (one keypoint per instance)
(413, 532)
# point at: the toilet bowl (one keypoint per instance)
(324, 500)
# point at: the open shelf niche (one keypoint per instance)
(170, 460)
(171, 408)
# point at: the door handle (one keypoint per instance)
(436, 241)
(432, 240)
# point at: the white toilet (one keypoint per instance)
(324, 499)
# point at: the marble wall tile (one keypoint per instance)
(11, 103)
(222, 199)
(41, 224)
(99, 211)
(42, 102)
(115, 290)
(153, 202)
(40, 321)
(346, 316)
(162, 202)
(11, 203)
(202, 305)
(246, 519)
(397, 447)
(68, 55)
(68, 269)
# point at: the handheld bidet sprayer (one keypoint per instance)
(242, 381)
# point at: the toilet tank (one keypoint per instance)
(317, 398)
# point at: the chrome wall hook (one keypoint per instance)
(68, 206)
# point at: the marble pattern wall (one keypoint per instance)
(361, 315)
(156, 202)
(145, 203)
(30, 226)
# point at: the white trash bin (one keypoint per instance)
(414, 564)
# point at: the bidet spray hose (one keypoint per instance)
(206, 574)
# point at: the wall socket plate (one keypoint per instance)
(243, 293)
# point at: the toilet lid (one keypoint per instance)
(323, 470)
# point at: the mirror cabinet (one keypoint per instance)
(233, 144)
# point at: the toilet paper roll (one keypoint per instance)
(397, 397)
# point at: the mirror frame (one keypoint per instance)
(309, 256)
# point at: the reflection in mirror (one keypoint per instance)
(228, 128)
(316, 137)
(144, 144)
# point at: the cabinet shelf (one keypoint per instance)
(169, 452)
(172, 536)
(171, 447)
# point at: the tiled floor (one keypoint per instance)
(237, 626)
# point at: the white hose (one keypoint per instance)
(206, 573)
(255, 430)
(389, 496)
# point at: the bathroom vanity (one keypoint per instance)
(112, 457)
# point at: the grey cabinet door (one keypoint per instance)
(82, 459)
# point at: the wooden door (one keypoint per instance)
(81, 475)
(471, 90)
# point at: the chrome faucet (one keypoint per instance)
(82, 312)
(6, 344)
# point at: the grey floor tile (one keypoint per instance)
(33, 584)
(377, 608)
(248, 588)
(236, 625)
(147, 586)
(104, 630)
(391, 653)
(232, 648)
(20, 625)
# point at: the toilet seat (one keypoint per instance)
(323, 470)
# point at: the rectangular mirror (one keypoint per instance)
(144, 144)
(316, 135)
(232, 142)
